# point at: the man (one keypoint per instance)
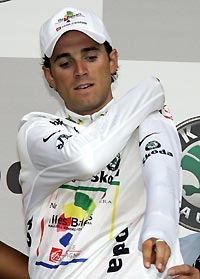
(83, 189)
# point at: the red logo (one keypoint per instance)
(58, 29)
(55, 254)
(166, 112)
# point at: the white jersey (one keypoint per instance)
(84, 192)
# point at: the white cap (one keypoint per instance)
(71, 19)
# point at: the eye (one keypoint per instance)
(91, 58)
(66, 64)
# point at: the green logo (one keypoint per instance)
(152, 145)
(191, 163)
(189, 133)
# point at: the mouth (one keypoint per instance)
(83, 86)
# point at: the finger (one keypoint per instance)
(167, 255)
(147, 252)
(184, 269)
(162, 255)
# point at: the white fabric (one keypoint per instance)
(83, 190)
(165, 186)
(68, 19)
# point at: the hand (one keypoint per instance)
(184, 271)
(156, 251)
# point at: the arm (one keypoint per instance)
(161, 154)
(13, 264)
(81, 154)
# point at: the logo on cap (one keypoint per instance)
(66, 19)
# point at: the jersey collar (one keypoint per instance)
(83, 119)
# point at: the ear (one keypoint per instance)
(113, 61)
(49, 77)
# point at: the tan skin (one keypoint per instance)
(13, 264)
(159, 258)
(184, 271)
(162, 254)
(80, 71)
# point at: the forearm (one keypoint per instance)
(161, 154)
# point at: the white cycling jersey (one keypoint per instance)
(84, 192)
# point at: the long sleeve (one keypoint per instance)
(161, 158)
(56, 150)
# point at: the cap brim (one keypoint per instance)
(96, 37)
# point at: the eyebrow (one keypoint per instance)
(66, 54)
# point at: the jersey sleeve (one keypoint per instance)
(161, 158)
(58, 151)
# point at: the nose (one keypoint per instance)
(80, 68)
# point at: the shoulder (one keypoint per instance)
(36, 117)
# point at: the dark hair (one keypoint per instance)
(46, 60)
(109, 50)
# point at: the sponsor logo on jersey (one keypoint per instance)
(166, 112)
(103, 177)
(114, 165)
(70, 223)
(105, 201)
(153, 148)
(55, 254)
(107, 176)
(152, 145)
(75, 214)
(189, 133)
(120, 249)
